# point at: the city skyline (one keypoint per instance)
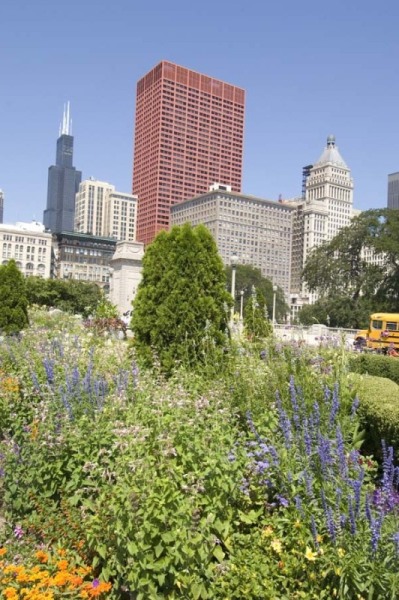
(306, 76)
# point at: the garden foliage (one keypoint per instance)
(379, 411)
(181, 308)
(69, 295)
(251, 485)
(256, 321)
(375, 364)
(13, 300)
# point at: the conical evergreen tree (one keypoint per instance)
(181, 308)
(13, 300)
(256, 321)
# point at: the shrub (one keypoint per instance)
(181, 308)
(376, 364)
(13, 302)
(379, 411)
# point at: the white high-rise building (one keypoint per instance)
(100, 210)
(329, 198)
(326, 208)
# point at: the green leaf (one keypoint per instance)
(218, 553)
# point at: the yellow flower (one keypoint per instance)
(267, 531)
(310, 555)
(10, 593)
(319, 538)
(338, 571)
(276, 546)
(341, 552)
(3, 551)
(297, 524)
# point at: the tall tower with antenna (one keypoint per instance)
(63, 181)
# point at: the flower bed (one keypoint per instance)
(252, 485)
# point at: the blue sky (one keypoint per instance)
(309, 69)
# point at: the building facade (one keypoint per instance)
(63, 182)
(393, 190)
(102, 211)
(258, 231)
(83, 257)
(29, 245)
(189, 132)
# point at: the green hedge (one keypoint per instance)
(375, 364)
(378, 412)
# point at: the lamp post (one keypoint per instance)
(241, 305)
(274, 305)
(234, 259)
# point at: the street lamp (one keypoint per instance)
(234, 259)
(274, 305)
(241, 304)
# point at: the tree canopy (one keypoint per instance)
(181, 309)
(248, 277)
(70, 295)
(357, 272)
(13, 301)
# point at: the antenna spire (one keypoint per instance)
(66, 125)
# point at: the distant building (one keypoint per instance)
(326, 208)
(101, 210)
(258, 231)
(305, 174)
(1, 206)
(29, 245)
(189, 132)
(393, 190)
(83, 257)
(63, 182)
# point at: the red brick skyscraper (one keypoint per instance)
(188, 134)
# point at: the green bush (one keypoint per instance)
(13, 301)
(379, 411)
(181, 308)
(376, 364)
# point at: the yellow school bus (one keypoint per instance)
(383, 331)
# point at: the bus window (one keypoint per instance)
(391, 326)
(376, 324)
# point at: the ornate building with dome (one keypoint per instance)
(325, 209)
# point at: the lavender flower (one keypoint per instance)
(18, 532)
(298, 505)
(334, 405)
(49, 368)
(351, 512)
(355, 406)
(341, 453)
(376, 525)
(314, 530)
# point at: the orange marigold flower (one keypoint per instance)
(61, 578)
(3, 551)
(61, 552)
(97, 587)
(75, 580)
(41, 556)
(62, 565)
(22, 576)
